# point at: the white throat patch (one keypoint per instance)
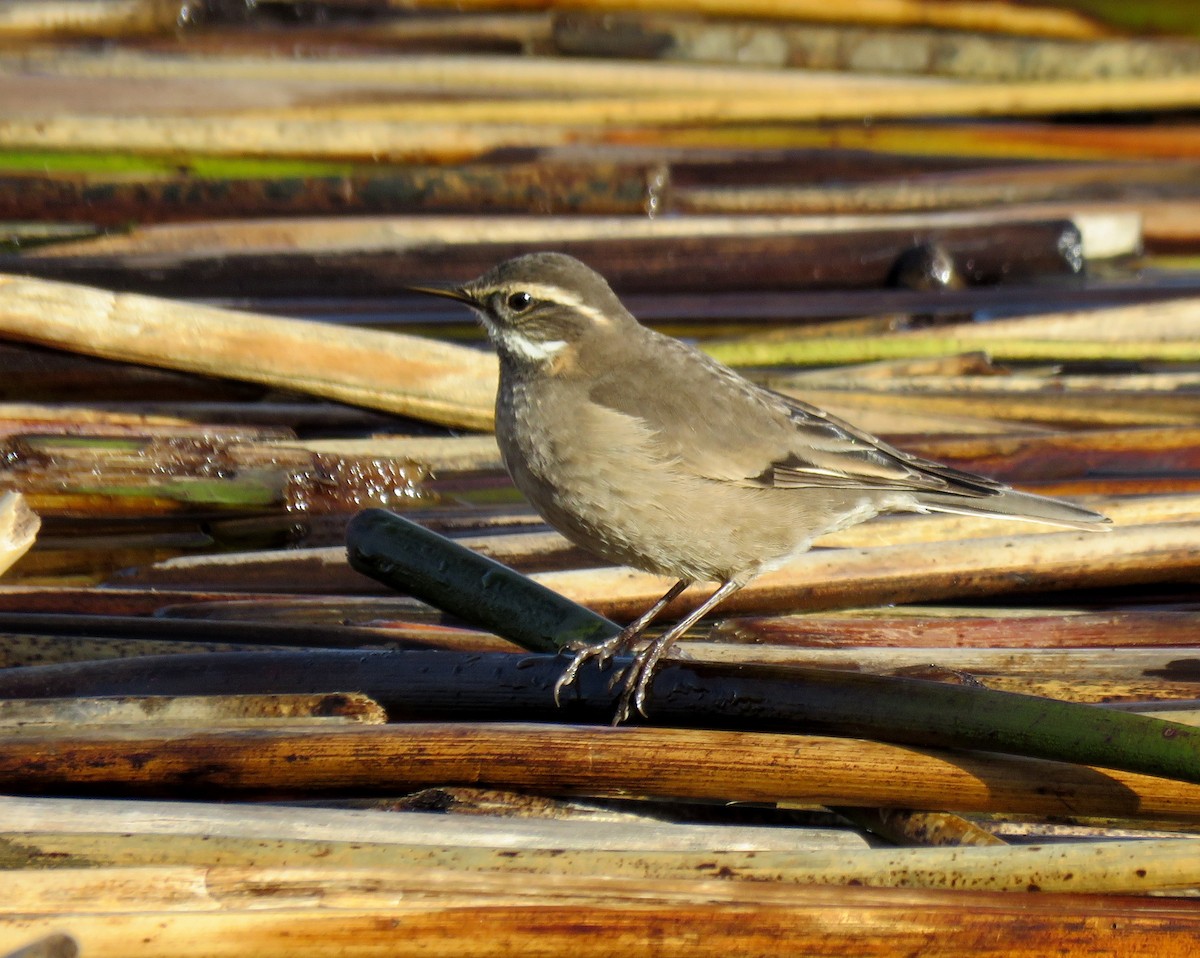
(521, 346)
(526, 348)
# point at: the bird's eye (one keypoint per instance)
(519, 302)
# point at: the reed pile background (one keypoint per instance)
(969, 227)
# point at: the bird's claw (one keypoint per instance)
(637, 677)
(603, 653)
(634, 679)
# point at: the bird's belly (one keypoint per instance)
(606, 491)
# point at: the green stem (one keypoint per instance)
(408, 557)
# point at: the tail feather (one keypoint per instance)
(1011, 504)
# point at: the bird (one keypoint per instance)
(646, 452)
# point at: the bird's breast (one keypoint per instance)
(568, 453)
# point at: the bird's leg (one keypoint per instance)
(646, 661)
(621, 642)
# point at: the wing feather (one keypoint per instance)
(718, 424)
(830, 452)
(702, 417)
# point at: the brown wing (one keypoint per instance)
(719, 425)
(832, 452)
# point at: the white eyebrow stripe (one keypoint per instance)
(556, 294)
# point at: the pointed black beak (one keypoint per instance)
(452, 292)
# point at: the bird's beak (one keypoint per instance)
(453, 292)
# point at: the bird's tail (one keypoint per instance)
(1011, 504)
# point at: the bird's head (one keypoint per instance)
(540, 307)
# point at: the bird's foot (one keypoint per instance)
(602, 652)
(637, 678)
(633, 679)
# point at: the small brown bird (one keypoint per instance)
(646, 452)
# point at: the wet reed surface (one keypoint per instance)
(278, 636)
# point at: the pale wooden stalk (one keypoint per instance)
(875, 49)
(914, 572)
(441, 454)
(55, 419)
(1033, 140)
(100, 849)
(1034, 20)
(30, 95)
(201, 711)
(1163, 222)
(465, 128)
(104, 849)
(1078, 675)
(835, 103)
(1180, 715)
(1075, 408)
(934, 627)
(1170, 222)
(1172, 321)
(328, 567)
(104, 18)
(382, 233)
(341, 831)
(19, 650)
(924, 99)
(85, 599)
(1136, 867)
(279, 88)
(699, 919)
(708, 765)
(965, 366)
(1134, 443)
(18, 529)
(1084, 665)
(526, 31)
(236, 136)
(24, 232)
(464, 75)
(262, 570)
(402, 374)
